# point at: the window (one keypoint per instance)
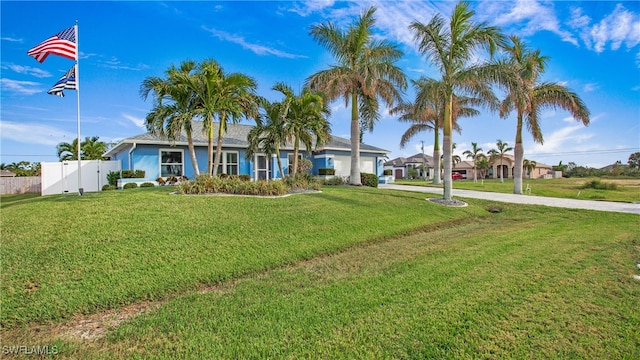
(228, 163)
(290, 159)
(171, 163)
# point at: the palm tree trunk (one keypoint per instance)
(221, 127)
(436, 157)
(501, 171)
(279, 161)
(447, 148)
(475, 172)
(192, 153)
(296, 145)
(354, 178)
(518, 152)
(210, 148)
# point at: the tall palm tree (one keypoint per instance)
(92, 148)
(269, 133)
(451, 45)
(529, 97)
(501, 149)
(483, 165)
(306, 120)
(475, 154)
(173, 107)
(427, 114)
(225, 96)
(365, 73)
(529, 166)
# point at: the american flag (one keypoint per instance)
(67, 82)
(62, 44)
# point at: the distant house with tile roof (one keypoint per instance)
(160, 157)
(422, 163)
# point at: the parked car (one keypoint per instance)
(456, 176)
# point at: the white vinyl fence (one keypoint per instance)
(62, 177)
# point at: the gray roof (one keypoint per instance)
(414, 159)
(235, 137)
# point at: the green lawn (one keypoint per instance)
(628, 190)
(348, 273)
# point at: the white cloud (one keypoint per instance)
(28, 70)
(34, 133)
(562, 140)
(115, 63)
(10, 39)
(139, 122)
(307, 7)
(255, 48)
(20, 87)
(527, 17)
(617, 28)
(590, 87)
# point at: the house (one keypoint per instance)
(423, 164)
(400, 168)
(159, 157)
(7, 173)
(465, 168)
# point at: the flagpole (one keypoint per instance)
(80, 189)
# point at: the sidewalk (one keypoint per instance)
(525, 199)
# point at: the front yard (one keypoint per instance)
(346, 273)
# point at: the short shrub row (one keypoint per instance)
(204, 184)
(326, 171)
(596, 184)
(129, 174)
(370, 180)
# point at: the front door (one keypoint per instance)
(398, 174)
(262, 167)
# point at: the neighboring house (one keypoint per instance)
(159, 157)
(465, 168)
(400, 166)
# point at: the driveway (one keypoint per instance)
(525, 199)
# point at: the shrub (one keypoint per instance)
(387, 172)
(596, 184)
(139, 174)
(130, 174)
(301, 181)
(147, 184)
(245, 177)
(130, 186)
(109, 187)
(204, 184)
(112, 178)
(304, 166)
(336, 180)
(370, 180)
(326, 171)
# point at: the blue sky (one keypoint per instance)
(594, 48)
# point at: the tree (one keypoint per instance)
(634, 160)
(305, 120)
(365, 73)
(91, 148)
(483, 166)
(269, 133)
(225, 96)
(426, 113)
(451, 49)
(173, 109)
(529, 166)
(475, 154)
(502, 149)
(528, 98)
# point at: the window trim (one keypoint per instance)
(160, 163)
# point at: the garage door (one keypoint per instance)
(342, 164)
(367, 165)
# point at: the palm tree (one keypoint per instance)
(225, 96)
(427, 114)
(529, 166)
(92, 148)
(502, 149)
(306, 120)
(451, 50)
(269, 133)
(365, 73)
(483, 166)
(172, 112)
(475, 154)
(68, 151)
(529, 97)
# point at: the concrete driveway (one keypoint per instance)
(524, 199)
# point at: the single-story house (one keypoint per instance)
(159, 157)
(420, 162)
(400, 168)
(465, 168)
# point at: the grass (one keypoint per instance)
(363, 273)
(623, 190)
